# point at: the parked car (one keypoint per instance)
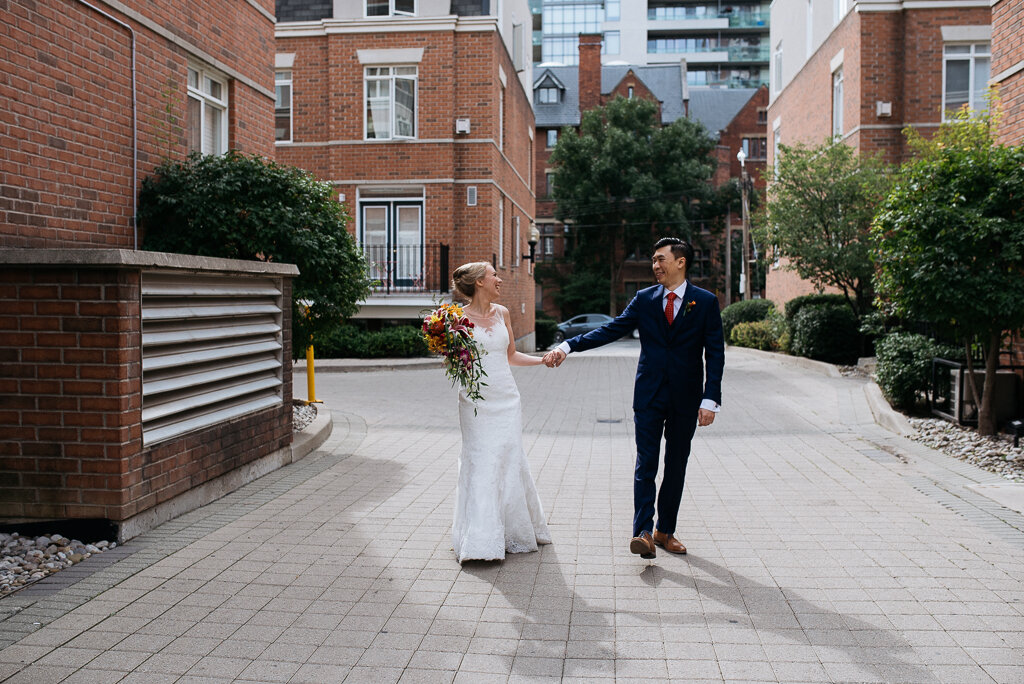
(583, 323)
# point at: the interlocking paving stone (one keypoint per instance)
(822, 548)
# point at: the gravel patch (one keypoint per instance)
(302, 416)
(24, 560)
(995, 454)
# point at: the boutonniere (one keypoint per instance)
(688, 306)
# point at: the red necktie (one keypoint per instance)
(670, 309)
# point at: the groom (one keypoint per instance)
(680, 329)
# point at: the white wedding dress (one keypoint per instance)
(497, 509)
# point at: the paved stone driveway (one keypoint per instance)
(822, 549)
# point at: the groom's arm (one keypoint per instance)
(714, 355)
(623, 324)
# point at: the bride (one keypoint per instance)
(497, 509)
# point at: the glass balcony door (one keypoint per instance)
(392, 239)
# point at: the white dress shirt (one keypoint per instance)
(708, 404)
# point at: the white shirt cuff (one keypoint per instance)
(710, 405)
(564, 348)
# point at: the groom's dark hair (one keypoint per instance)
(680, 248)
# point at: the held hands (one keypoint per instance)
(705, 417)
(554, 358)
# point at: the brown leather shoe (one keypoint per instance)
(668, 542)
(643, 545)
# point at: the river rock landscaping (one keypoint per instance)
(995, 454)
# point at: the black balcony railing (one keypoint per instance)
(408, 268)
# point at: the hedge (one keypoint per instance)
(826, 332)
(545, 329)
(905, 366)
(794, 305)
(746, 311)
(755, 335)
(350, 341)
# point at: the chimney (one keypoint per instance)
(590, 71)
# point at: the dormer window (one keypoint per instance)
(547, 95)
(386, 8)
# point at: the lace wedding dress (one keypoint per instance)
(497, 509)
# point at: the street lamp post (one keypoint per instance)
(745, 206)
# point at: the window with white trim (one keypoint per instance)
(837, 101)
(207, 111)
(282, 106)
(965, 76)
(552, 137)
(501, 232)
(390, 102)
(547, 95)
(387, 8)
(517, 258)
(838, 11)
(610, 45)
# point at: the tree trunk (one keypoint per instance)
(986, 414)
(972, 385)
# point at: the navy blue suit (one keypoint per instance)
(671, 382)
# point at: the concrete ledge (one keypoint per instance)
(202, 495)
(367, 365)
(126, 258)
(799, 361)
(885, 415)
(315, 434)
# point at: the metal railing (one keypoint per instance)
(408, 268)
(737, 19)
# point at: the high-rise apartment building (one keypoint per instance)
(722, 43)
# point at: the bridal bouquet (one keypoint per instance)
(449, 334)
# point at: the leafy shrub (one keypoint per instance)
(240, 206)
(754, 334)
(826, 332)
(794, 305)
(349, 341)
(746, 311)
(779, 327)
(905, 366)
(545, 329)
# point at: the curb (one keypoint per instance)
(314, 434)
(799, 361)
(885, 415)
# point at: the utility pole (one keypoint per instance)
(744, 190)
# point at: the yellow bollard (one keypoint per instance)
(310, 377)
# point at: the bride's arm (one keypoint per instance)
(516, 358)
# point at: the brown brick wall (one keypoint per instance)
(1007, 52)
(66, 161)
(70, 403)
(458, 77)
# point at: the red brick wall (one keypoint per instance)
(66, 161)
(70, 403)
(458, 77)
(1007, 52)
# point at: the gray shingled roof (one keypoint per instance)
(713, 107)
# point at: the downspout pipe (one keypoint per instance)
(135, 125)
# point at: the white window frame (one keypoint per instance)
(837, 102)
(838, 11)
(548, 89)
(392, 12)
(518, 256)
(278, 82)
(392, 76)
(207, 101)
(501, 232)
(548, 142)
(970, 58)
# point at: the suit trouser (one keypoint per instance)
(676, 418)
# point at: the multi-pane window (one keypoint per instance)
(390, 102)
(384, 8)
(552, 138)
(283, 106)
(966, 72)
(755, 148)
(207, 112)
(611, 10)
(547, 95)
(762, 116)
(549, 245)
(561, 26)
(837, 102)
(549, 184)
(610, 46)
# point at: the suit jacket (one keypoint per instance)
(675, 354)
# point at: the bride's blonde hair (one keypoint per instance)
(464, 279)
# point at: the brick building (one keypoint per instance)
(864, 71)
(127, 390)
(1008, 67)
(419, 113)
(562, 93)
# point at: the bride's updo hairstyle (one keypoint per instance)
(464, 280)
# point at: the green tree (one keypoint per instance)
(818, 216)
(238, 206)
(950, 241)
(626, 179)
